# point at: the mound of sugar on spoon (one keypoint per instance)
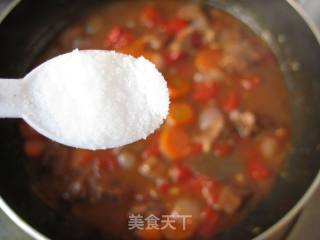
(95, 99)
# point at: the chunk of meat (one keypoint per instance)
(245, 122)
(126, 160)
(180, 43)
(229, 202)
(211, 123)
(211, 117)
(268, 147)
(198, 27)
(195, 15)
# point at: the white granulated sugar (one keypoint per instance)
(96, 99)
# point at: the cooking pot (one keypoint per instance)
(28, 26)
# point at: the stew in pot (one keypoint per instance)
(213, 159)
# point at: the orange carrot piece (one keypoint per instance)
(208, 59)
(178, 86)
(175, 143)
(180, 114)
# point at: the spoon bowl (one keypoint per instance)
(90, 99)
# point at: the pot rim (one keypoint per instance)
(276, 227)
(292, 213)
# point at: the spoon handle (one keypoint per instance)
(10, 98)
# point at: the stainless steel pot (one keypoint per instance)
(27, 27)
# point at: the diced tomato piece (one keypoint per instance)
(208, 222)
(118, 37)
(175, 25)
(208, 59)
(204, 91)
(257, 170)
(180, 173)
(151, 17)
(163, 186)
(172, 57)
(151, 151)
(221, 149)
(180, 114)
(211, 192)
(175, 143)
(232, 102)
(106, 160)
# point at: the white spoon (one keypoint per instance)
(89, 99)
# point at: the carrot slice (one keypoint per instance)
(208, 59)
(175, 143)
(180, 114)
(178, 86)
